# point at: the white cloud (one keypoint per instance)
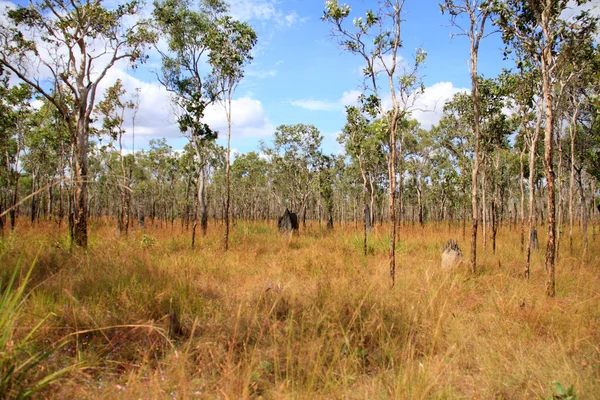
(262, 10)
(316, 105)
(350, 98)
(261, 74)
(248, 119)
(4, 7)
(293, 18)
(429, 107)
(388, 62)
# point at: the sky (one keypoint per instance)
(299, 74)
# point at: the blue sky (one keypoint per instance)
(300, 75)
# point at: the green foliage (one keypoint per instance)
(231, 43)
(112, 109)
(147, 241)
(295, 157)
(190, 36)
(560, 393)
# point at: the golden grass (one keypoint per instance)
(308, 316)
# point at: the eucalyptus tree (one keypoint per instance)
(591, 116)
(187, 166)
(577, 66)
(540, 30)
(250, 185)
(231, 43)
(419, 152)
(15, 113)
(186, 74)
(294, 159)
(580, 95)
(182, 74)
(447, 172)
(358, 140)
(523, 89)
(64, 49)
(377, 40)
(495, 126)
(45, 158)
(453, 134)
(477, 12)
(328, 168)
(50, 141)
(112, 111)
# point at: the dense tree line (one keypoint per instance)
(519, 150)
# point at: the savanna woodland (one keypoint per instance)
(460, 261)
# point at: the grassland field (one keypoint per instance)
(304, 317)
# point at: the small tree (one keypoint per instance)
(294, 161)
(188, 42)
(231, 43)
(112, 110)
(477, 13)
(377, 40)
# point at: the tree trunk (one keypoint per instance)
(33, 176)
(81, 177)
(367, 213)
(571, 185)
(522, 187)
(476, 108)
(484, 213)
(532, 213)
(583, 213)
(548, 162)
(392, 174)
(560, 212)
(227, 169)
(420, 201)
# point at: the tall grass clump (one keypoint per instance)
(20, 377)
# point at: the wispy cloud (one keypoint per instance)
(348, 98)
(261, 73)
(263, 10)
(316, 105)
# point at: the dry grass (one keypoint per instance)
(307, 316)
